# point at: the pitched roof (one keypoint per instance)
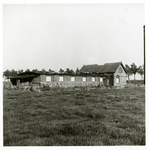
(90, 68)
(37, 72)
(106, 68)
(110, 67)
(21, 77)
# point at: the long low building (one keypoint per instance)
(57, 79)
(109, 74)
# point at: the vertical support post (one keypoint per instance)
(18, 82)
(144, 51)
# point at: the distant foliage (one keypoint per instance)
(61, 70)
(69, 71)
(77, 71)
(27, 70)
(50, 70)
(13, 72)
(43, 70)
(133, 69)
(141, 70)
(129, 72)
(9, 73)
(34, 70)
(20, 71)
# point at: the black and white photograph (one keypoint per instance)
(74, 74)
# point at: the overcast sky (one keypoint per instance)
(68, 36)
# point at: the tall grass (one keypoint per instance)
(74, 118)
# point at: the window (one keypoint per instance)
(120, 70)
(101, 79)
(72, 78)
(48, 78)
(8, 80)
(117, 79)
(93, 79)
(84, 79)
(61, 78)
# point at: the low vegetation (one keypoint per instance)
(74, 118)
(137, 82)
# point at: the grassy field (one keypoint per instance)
(74, 118)
(137, 81)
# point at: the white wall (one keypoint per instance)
(137, 76)
(123, 76)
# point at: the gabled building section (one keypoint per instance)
(106, 68)
(115, 73)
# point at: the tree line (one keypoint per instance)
(132, 69)
(9, 73)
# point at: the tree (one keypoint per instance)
(61, 70)
(51, 70)
(71, 71)
(20, 71)
(77, 71)
(141, 70)
(134, 69)
(34, 70)
(129, 72)
(27, 70)
(43, 70)
(13, 72)
(6, 73)
(9, 73)
(67, 70)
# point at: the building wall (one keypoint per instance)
(137, 77)
(55, 78)
(36, 79)
(89, 79)
(78, 79)
(42, 78)
(67, 80)
(97, 79)
(122, 75)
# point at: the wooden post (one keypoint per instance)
(144, 52)
(18, 82)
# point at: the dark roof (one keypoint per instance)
(30, 73)
(21, 77)
(106, 68)
(110, 67)
(90, 68)
(36, 73)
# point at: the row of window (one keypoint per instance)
(84, 79)
(61, 78)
